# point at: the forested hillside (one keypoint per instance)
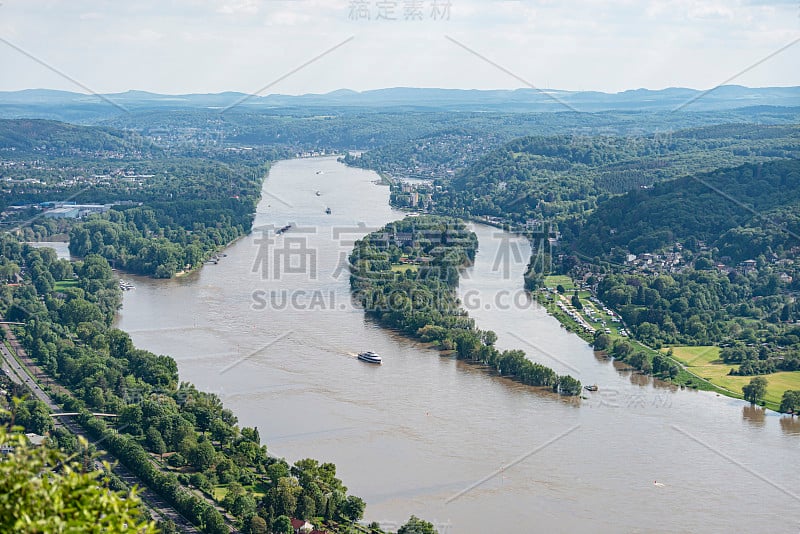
(744, 212)
(553, 177)
(707, 259)
(44, 137)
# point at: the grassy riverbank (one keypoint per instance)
(695, 372)
(705, 362)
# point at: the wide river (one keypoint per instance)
(271, 329)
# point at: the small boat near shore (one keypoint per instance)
(370, 357)
(591, 388)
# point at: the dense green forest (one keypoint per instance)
(179, 227)
(556, 177)
(193, 441)
(739, 276)
(162, 238)
(405, 275)
(743, 212)
(170, 212)
(442, 148)
(701, 307)
(50, 138)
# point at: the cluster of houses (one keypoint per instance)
(62, 210)
(414, 195)
(461, 150)
(128, 176)
(22, 181)
(314, 153)
(669, 262)
(674, 262)
(34, 439)
(409, 239)
(750, 266)
(531, 227)
(493, 220)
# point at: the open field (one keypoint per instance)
(702, 361)
(564, 280)
(697, 356)
(403, 267)
(63, 284)
(705, 363)
(257, 490)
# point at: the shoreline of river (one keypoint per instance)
(468, 341)
(573, 328)
(310, 397)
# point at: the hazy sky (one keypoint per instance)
(180, 46)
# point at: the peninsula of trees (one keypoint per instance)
(405, 276)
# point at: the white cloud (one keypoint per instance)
(288, 18)
(247, 7)
(142, 35)
(182, 46)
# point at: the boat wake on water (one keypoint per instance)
(367, 356)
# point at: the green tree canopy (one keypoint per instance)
(41, 490)
(755, 390)
(415, 525)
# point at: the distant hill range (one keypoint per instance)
(64, 105)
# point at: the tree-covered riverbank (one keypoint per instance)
(178, 440)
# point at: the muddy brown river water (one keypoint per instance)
(271, 329)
